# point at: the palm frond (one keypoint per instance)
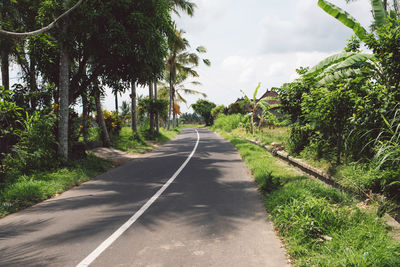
(193, 92)
(186, 6)
(201, 49)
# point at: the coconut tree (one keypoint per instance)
(180, 86)
(181, 62)
(183, 5)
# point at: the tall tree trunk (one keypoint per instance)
(133, 107)
(157, 112)
(64, 101)
(5, 74)
(100, 119)
(116, 102)
(151, 113)
(170, 110)
(396, 6)
(85, 114)
(32, 80)
(173, 111)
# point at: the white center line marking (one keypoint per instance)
(106, 243)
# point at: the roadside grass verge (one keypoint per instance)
(125, 141)
(265, 136)
(320, 225)
(28, 190)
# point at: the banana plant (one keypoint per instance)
(343, 17)
(341, 66)
(349, 64)
(378, 10)
(256, 104)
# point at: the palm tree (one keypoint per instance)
(186, 6)
(181, 89)
(125, 110)
(174, 5)
(181, 62)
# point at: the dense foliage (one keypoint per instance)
(99, 45)
(346, 108)
(203, 108)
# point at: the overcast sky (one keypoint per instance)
(263, 41)
(260, 41)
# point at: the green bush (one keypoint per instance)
(228, 122)
(299, 138)
(240, 106)
(10, 121)
(218, 110)
(36, 148)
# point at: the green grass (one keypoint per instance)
(320, 225)
(125, 141)
(265, 136)
(167, 135)
(26, 190)
(228, 122)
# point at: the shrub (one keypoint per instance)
(218, 110)
(10, 117)
(299, 138)
(113, 122)
(228, 122)
(240, 106)
(36, 148)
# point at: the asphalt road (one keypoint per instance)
(210, 215)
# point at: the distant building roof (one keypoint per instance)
(239, 99)
(271, 94)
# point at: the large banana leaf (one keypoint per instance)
(379, 12)
(329, 61)
(343, 17)
(339, 75)
(349, 62)
(255, 92)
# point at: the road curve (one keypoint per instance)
(210, 215)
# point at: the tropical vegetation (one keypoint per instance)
(345, 109)
(72, 60)
(343, 118)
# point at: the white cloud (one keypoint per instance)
(272, 70)
(309, 28)
(261, 41)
